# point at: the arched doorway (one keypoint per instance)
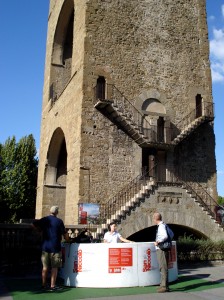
(55, 174)
(154, 159)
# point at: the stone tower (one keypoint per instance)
(127, 88)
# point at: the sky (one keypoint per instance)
(23, 31)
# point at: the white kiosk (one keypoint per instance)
(114, 265)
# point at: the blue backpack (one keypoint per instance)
(167, 245)
(169, 232)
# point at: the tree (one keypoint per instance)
(18, 179)
(220, 200)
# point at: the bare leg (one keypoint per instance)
(44, 276)
(54, 273)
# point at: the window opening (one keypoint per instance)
(198, 106)
(160, 130)
(100, 88)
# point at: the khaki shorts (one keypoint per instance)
(53, 260)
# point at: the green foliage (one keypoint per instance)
(189, 249)
(220, 200)
(18, 179)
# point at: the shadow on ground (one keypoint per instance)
(30, 289)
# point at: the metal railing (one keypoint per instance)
(123, 196)
(205, 199)
(197, 191)
(20, 248)
(153, 133)
(122, 104)
(138, 119)
(205, 109)
(162, 175)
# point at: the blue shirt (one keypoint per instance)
(52, 230)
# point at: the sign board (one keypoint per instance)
(89, 213)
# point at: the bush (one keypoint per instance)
(189, 249)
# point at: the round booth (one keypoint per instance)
(114, 265)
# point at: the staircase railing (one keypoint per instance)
(205, 199)
(197, 191)
(122, 104)
(138, 119)
(123, 196)
(162, 175)
(204, 109)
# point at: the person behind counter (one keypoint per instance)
(84, 237)
(112, 236)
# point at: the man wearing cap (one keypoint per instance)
(52, 229)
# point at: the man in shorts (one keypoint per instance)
(52, 229)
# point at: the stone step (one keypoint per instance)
(125, 208)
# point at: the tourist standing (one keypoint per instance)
(52, 229)
(162, 256)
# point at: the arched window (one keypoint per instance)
(62, 165)
(55, 176)
(152, 105)
(61, 64)
(56, 168)
(154, 113)
(100, 88)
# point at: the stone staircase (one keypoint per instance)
(121, 112)
(126, 207)
(190, 128)
(143, 136)
(122, 204)
(204, 200)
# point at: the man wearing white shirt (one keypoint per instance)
(162, 256)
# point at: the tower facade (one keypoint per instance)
(127, 91)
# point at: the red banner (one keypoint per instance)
(119, 258)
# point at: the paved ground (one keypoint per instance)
(214, 294)
(211, 273)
